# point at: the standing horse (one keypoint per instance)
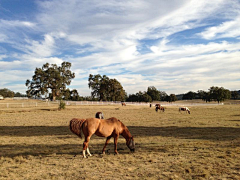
(184, 109)
(108, 128)
(123, 104)
(160, 108)
(99, 115)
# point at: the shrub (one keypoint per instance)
(61, 105)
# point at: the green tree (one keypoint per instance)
(154, 93)
(163, 95)
(146, 97)
(6, 93)
(200, 94)
(219, 94)
(66, 95)
(106, 89)
(52, 77)
(143, 97)
(74, 95)
(115, 91)
(234, 94)
(190, 95)
(139, 97)
(132, 98)
(171, 98)
(18, 94)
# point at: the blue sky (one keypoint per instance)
(176, 46)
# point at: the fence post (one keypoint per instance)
(22, 105)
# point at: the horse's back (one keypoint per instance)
(109, 126)
(91, 124)
(101, 127)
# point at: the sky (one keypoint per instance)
(176, 46)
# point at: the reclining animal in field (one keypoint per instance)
(108, 128)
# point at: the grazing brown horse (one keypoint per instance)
(99, 115)
(123, 104)
(184, 109)
(161, 108)
(108, 128)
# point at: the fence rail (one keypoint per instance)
(77, 103)
(27, 104)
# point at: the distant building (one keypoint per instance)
(1, 97)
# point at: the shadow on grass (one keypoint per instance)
(14, 150)
(206, 133)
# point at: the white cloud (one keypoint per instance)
(226, 29)
(104, 37)
(40, 49)
(2, 57)
(14, 24)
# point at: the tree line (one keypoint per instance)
(152, 94)
(8, 93)
(51, 81)
(215, 93)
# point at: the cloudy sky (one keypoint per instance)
(175, 45)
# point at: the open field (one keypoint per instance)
(36, 143)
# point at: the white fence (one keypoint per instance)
(103, 103)
(27, 104)
(77, 103)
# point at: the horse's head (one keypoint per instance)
(188, 111)
(130, 144)
(99, 115)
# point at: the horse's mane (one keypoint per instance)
(76, 126)
(125, 129)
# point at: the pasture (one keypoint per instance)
(36, 143)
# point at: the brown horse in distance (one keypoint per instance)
(123, 104)
(161, 108)
(108, 128)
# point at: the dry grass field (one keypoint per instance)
(36, 143)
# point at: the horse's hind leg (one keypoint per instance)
(85, 146)
(88, 152)
(106, 143)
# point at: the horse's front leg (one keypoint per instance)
(106, 143)
(85, 146)
(115, 143)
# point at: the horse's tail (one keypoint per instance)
(76, 126)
